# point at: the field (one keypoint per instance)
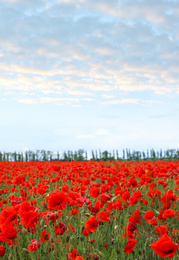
(89, 210)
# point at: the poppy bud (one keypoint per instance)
(54, 253)
(87, 214)
(67, 239)
(42, 222)
(24, 231)
(25, 250)
(100, 254)
(113, 241)
(116, 227)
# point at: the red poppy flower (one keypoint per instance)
(130, 246)
(162, 230)
(74, 212)
(73, 254)
(131, 226)
(126, 195)
(134, 198)
(94, 192)
(149, 215)
(132, 182)
(7, 216)
(79, 258)
(2, 250)
(164, 247)
(136, 217)
(19, 179)
(48, 215)
(154, 194)
(91, 225)
(168, 213)
(33, 246)
(60, 228)
(91, 241)
(44, 236)
(103, 216)
(57, 201)
(153, 221)
(9, 233)
(29, 218)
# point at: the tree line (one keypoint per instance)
(83, 155)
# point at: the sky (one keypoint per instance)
(89, 74)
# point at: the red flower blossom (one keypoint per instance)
(134, 198)
(130, 246)
(149, 215)
(79, 258)
(45, 236)
(91, 225)
(29, 218)
(2, 250)
(162, 230)
(8, 233)
(60, 228)
(33, 246)
(168, 213)
(94, 192)
(153, 221)
(48, 215)
(73, 254)
(57, 201)
(136, 217)
(91, 241)
(164, 247)
(7, 216)
(103, 216)
(19, 179)
(74, 212)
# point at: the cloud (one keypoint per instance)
(28, 101)
(69, 49)
(121, 101)
(85, 136)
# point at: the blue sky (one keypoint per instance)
(90, 74)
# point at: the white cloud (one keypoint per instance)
(28, 101)
(68, 49)
(85, 136)
(121, 101)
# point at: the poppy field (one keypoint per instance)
(89, 210)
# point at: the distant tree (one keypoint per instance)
(124, 154)
(113, 154)
(22, 157)
(58, 156)
(143, 155)
(152, 154)
(105, 155)
(65, 156)
(93, 156)
(100, 155)
(80, 155)
(148, 154)
(117, 155)
(4, 157)
(96, 157)
(86, 156)
(75, 156)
